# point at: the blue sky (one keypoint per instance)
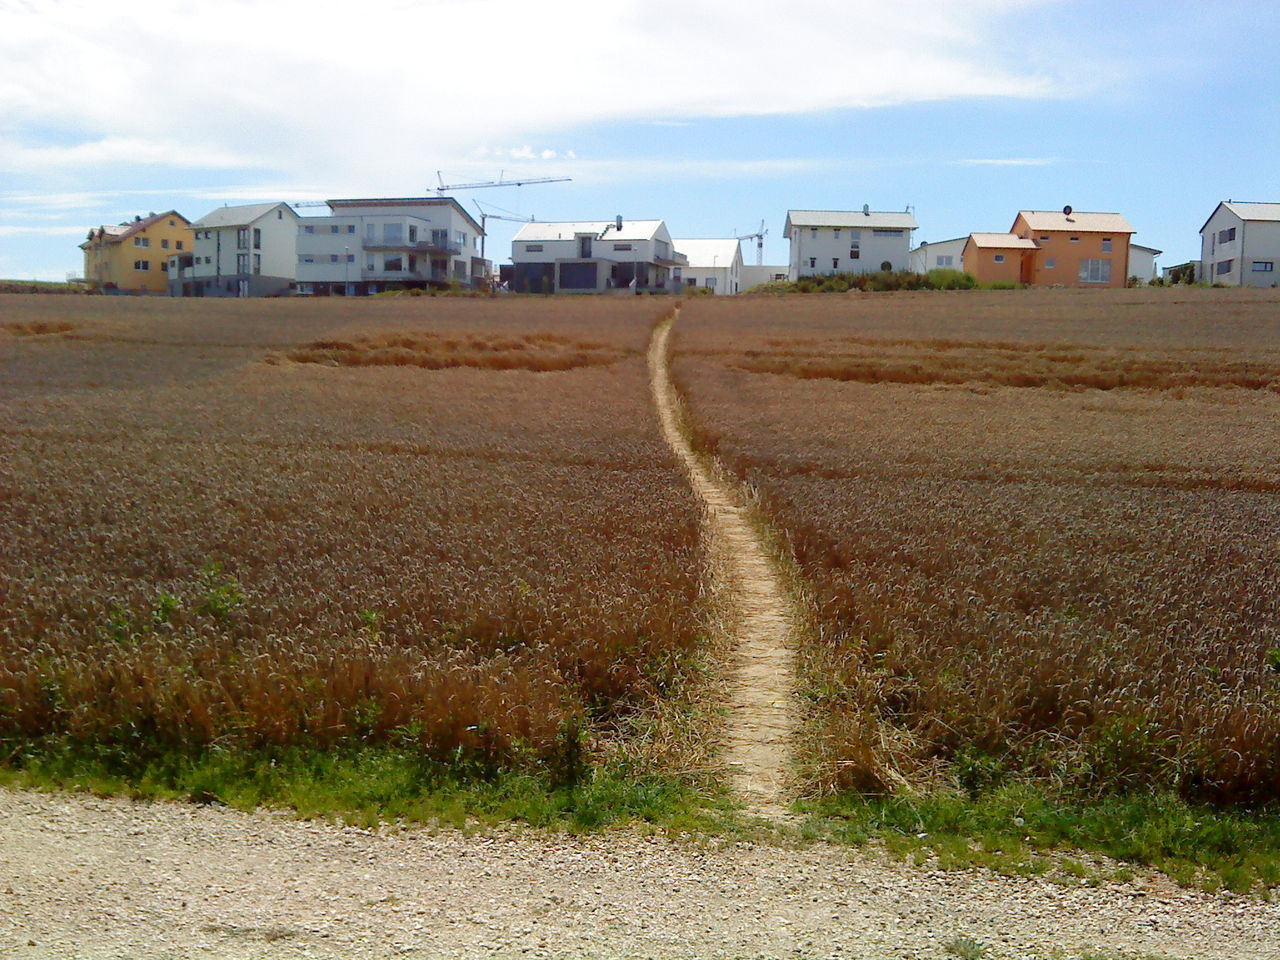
(712, 115)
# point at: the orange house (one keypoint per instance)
(997, 257)
(1075, 249)
(134, 255)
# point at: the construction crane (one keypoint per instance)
(483, 184)
(486, 216)
(758, 236)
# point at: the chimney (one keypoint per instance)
(617, 223)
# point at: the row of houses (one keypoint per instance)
(367, 246)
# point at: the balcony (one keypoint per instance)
(414, 246)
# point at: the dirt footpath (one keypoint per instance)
(90, 878)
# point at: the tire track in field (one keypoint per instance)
(761, 722)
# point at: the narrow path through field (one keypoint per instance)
(761, 712)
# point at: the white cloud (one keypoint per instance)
(307, 88)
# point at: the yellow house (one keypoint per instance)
(132, 256)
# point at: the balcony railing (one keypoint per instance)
(414, 246)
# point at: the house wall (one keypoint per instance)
(751, 275)
(820, 251)
(1142, 264)
(1242, 261)
(549, 257)
(981, 262)
(728, 279)
(925, 257)
(1066, 254)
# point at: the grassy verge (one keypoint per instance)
(376, 784)
(1022, 829)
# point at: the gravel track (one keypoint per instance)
(82, 877)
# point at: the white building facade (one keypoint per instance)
(755, 274)
(370, 246)
(595, 256)
(825, 242)
(1240, 245)
(243, 251)
(943, 255)
(714, 265)
(1142, 262)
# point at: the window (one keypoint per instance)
(813, 233)
(711, 283)
(835, 263)
(142, 241)
(392, 232)
(413, 233)
(351, 258)
(1074, 239)
(691, 281)
(308, 229)
(370, 232)
(178, 245)
(622, 246)
(1226, 236)
(242, 263)
(242, 238)
(1095, 271)
(661, 250)
(1045, 239)
(999, 258)
(208, 259)
(333, 258)
(1050, 263)
(944, 261)
(164, 244)
(333, 228)
(533, 248)
(886, 233)
(351, 228)
(837, 233)
(279, 214)
(172, 224)
(1263, 266)
(257, 263)
(855, 249)
(306, 259)
(393, 263)
(1106, 244)
(371, 266)
(142, 264)
(1225, 267)
(813, 263)
(257, 239)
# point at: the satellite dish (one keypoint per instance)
(866, 209)
(1066, 211)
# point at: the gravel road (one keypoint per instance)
(82, 877)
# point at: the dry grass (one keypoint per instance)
(541, 352)
(36, 328)
(1080, 585)
(465, 559)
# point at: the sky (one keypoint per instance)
(714, 115)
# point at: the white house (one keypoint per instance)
(368, 246)
(244, 251)
(1240, 244)
(1142, 262)
(943, 255)
(839, 241)
(594, 256)
(714, 265)
(753, 275)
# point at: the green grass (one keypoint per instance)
(371, 785)
(1025, 830)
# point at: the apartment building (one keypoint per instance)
(242, 251)
(1240, 244)
(132, 257)
(595, 256)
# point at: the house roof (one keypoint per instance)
(935, 243)
(568, 229)
(874, 219)
(1151, 250)
(1079, 221)
(1247, 211)
(122, 231)
(709, 254)
(1002, 241)
(238, 216)
(406, 202)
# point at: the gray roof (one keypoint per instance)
(875, 219)
(1254, 211)
(567, 230)
(1151, 250)
(238, 216)
(712, 253)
